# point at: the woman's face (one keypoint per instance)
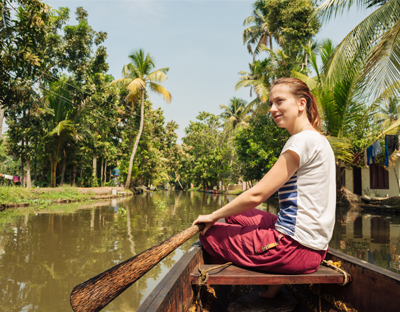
(285, 108)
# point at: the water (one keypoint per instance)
(45, 253)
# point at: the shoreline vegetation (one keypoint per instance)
(15, 197)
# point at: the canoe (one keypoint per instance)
(369, 288)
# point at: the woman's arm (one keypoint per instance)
(283, 170)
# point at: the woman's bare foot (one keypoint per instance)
(271, 292)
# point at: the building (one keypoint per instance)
(374, 180)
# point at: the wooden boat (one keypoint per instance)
(370, 288)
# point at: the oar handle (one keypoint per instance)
(95, 293)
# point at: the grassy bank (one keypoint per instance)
(46, 196)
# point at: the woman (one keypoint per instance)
(295, 241)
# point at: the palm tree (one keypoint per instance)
(388, 112)
(258, 78)
(377, 38)
(137, 75)
(235, 112)
(258, 33)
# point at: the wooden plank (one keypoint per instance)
(174, 292)
(234, 275)
(372, 288)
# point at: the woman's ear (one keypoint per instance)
(302, 104)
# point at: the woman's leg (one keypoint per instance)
(238, 244)
(263, 219)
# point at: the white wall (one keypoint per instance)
(393, 184)
(349, 179)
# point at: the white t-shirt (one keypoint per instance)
(307, 200)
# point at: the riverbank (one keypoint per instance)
(14, 197)
(231, 192)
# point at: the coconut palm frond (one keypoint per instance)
(310, 50)
(392, 91)
(383, 67)
(136, 85)
(121, 82)
(341, 148)
(64, 127)
(222, 106)
(143, 63)
(333, 8)
(311, 82)
(262, 91)
(261, 109)
(250, 108)
(158, 75)
(362, 38)
(249, 20)
(160, 90)
(244, 83)
(132, 98)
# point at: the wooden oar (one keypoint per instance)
(97, 292)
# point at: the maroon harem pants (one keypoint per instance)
(237, 240)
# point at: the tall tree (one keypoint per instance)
(137, 76)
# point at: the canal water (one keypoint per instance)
(45, 252)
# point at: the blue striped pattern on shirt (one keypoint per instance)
(288, 206)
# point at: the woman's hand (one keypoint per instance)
(208, 220)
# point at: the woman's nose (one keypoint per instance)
(273, 108)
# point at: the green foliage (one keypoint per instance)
(209, 151)
(258, 147)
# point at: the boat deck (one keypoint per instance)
(234, 275)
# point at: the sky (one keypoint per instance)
(199, 40)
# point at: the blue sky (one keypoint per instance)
(200, 41)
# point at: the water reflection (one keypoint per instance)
(44, 255)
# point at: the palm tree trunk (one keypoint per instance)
(128, 179)
(35, 167)
(101, 171)
(64, 164)
(74, 175)
(1, 119)
(178, 180)
(81, 173)
(22, 165)
(28, 173)
(94, 170)
(53, 162)
(105, 173)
